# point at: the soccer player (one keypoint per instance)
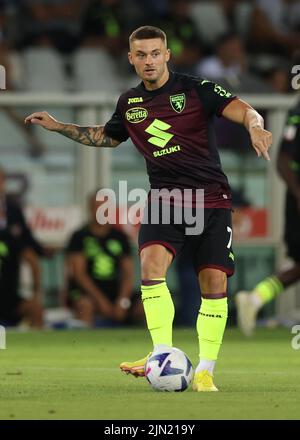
(169, 117)
(288, 165)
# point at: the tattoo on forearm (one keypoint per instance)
(93, 136)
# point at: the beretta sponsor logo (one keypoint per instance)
(136, 115)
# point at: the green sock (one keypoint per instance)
(269, 288)
(159, 311)
(211, 324)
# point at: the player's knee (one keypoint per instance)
(151, 269)
(212, 281)
(155, 261)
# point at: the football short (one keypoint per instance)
(292, 228)
(212, 248)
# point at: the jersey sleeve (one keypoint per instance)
(291, 131)
(213, 97)
(115, 127)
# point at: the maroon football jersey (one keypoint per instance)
(172, 127)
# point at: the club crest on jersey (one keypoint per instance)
(178, 102)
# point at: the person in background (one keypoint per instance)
(102, 26)
(229, 66)
(12, 217)
(184, 40)
(278, 78)
(100, 272)
(288, 165)
(275, 27)
(17, 245)
(54, 23)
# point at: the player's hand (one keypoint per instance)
(261, 141)
(44, 120)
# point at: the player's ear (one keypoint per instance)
(168, 55)
(130, 58)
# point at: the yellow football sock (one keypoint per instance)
(269, 288)
(159, 311)
(211, 324)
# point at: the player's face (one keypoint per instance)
(149, 58)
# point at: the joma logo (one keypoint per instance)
(135, 100)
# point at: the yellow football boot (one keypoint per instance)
(136, 368)
(203, 381)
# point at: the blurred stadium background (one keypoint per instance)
(70, 58)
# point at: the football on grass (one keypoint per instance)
(169, 369)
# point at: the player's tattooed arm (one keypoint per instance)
(93, 136)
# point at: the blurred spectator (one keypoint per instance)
(154, 10)
(229, 10)
(229, 60)
(14, 308)
(100, 272)
(54, 23)
(12, 217)
(279, 79)
(229, 67)
(10, 29)
(183, 38)
(102, 25)
(16, 245)
(275, 27)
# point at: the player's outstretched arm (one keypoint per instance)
(242, 113)
(93, 136)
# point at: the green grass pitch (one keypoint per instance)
(75, 375)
